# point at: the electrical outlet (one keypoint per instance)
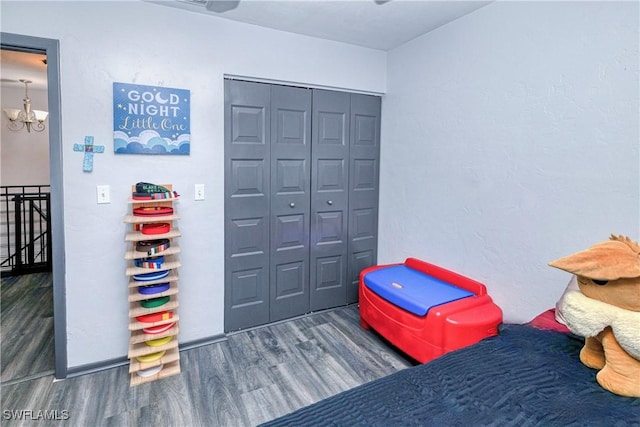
(199, 192)
(104, 195)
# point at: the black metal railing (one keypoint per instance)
(25, 225)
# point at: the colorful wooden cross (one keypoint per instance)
(89, 149)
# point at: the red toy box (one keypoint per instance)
(425, 310)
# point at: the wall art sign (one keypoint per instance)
(151, 120)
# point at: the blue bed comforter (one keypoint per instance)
(523, 377)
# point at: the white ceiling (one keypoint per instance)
(20, 65)
(377, 24)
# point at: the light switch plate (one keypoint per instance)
(103, 193)
(199, 192)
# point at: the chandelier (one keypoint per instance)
(31, 119)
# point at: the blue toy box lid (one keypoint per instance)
(412, 290)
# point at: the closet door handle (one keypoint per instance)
(292, 205)
(330, 202)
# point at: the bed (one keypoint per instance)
(528, 375)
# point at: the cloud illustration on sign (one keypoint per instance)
(150, 142)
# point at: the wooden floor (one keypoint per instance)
(26, 326)
(252, 377)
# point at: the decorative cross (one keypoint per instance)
(89, 149)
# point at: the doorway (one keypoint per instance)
(38, 284)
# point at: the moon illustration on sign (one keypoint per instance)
(160, 100)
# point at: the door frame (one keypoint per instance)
(51, 48)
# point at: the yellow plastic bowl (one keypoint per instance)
(148, 358)
(159, 341)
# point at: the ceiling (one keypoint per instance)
(20, 65)
(377, 24)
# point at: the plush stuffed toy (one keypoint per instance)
(606, 311)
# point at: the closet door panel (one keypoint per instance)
(364, 164)
(290, 201)
(247, 215)
(329, 198)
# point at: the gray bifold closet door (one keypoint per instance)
(364, 172)
(329, 198)
(301, 199)
(290, 196)
(247, 128)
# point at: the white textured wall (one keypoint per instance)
(510, 139)
(25, 155)
(144, 43)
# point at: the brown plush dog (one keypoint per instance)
(606, 311)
